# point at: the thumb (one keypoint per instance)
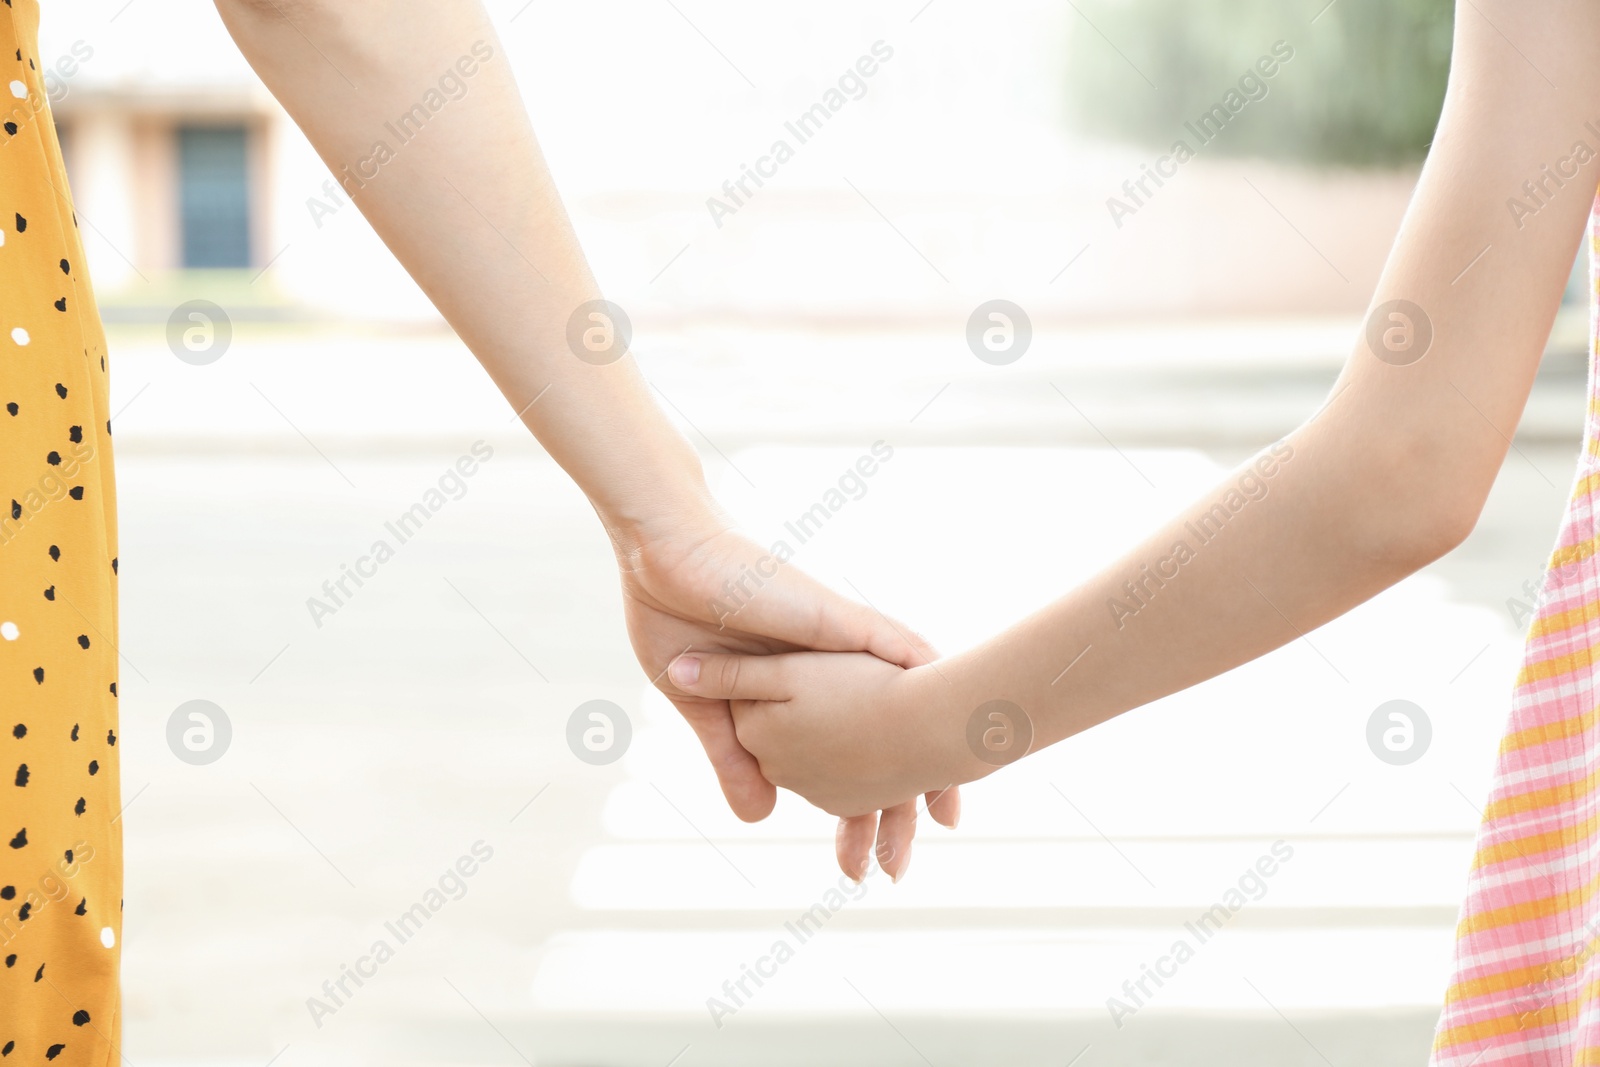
(848, 626)
(802, 611)
(721, 677)
(896, 642)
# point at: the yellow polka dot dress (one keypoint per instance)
(60, 841)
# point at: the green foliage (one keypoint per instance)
(1364, 87)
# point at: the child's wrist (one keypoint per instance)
(980, 731)
(939, 714)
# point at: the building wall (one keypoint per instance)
(949, 180)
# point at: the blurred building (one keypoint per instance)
(190, 180)
(948, 177)
(176, 179)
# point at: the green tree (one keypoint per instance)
(1364, 87)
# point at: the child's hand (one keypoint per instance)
(847, 731)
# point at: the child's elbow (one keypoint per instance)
(1451, 525)
(1429, 521)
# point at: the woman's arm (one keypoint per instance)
(1389, 476)
(468, 206)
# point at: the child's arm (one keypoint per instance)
(413, 105)
(1389, 476)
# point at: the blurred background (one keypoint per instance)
(1174, 324)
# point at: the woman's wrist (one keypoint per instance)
(670, 505)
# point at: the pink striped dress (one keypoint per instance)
(1525, 985)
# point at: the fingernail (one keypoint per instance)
(905, 865)
(685, 670)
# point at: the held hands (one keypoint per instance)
(850, 733)
(676, 582)
(844, 731)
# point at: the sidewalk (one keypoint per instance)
(429, 713)
(1211, 383)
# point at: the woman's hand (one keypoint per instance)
(849, 732)
(498, 256)
(695, 585)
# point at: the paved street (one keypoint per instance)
(424, 721)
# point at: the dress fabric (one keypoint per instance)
(60, 834)
(1525, 981)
